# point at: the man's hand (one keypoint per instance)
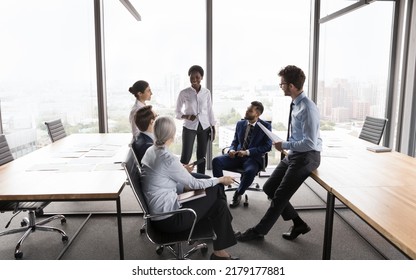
(232, 153)
(242, 153)
(278, 146)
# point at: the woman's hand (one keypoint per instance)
(226, 180)
(189, 117)
(189, 167)
(212, 133)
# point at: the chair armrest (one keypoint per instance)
(225, 150)
(176, 212)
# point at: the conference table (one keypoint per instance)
(79, 167)
(379, 187)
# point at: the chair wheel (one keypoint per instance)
(142, 230)
(246, 201)
(24, 222)
(18, 255)
(39, 212)
(63, 221)
(204, 250)
(64, 238)
(159, 250)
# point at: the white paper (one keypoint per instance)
(270, 134)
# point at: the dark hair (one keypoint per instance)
(143, 117)
(196, 68)
(293, 75)
(259, 106)
(139, 86)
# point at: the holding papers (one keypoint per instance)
(191, 195)
(270, 134)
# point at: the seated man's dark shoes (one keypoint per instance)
(236, 200)
(295, 231)
(250, 234)
(215, 257)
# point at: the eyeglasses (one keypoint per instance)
(281, 84)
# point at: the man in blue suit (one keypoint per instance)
(246, 151)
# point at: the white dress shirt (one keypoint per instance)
(190, 102)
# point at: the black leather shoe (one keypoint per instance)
(237, 234)
(295, 231)
(236, 200)
(250, 234)
(215, 257)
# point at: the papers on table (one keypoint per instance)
(379, 149)
(270, 134)
(71, 167)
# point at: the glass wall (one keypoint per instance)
(252, 41)
(159, 49)
(353, 68)
(47, 69)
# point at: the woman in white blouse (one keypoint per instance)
(164, 176)
(194, 106)
(142, 92)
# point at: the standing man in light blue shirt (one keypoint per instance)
(304, 145)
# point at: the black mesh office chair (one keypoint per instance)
(173, 242)
(29, 224)
(254, 186)
(373, 129)
(55, 129)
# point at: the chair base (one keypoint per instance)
(252, 187)
(177, 250)
(30, 225)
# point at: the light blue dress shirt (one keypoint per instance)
(304, 134)
(163, 177)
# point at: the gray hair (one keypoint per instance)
(164, 129)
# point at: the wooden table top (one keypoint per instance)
(77, 167)
(389, 210)
(351, 165)
(379, 187)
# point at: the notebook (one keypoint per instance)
(191, 195)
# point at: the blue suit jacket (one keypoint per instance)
(260, 143)
(140, 145)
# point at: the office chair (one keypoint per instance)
(373, 129)
(55, 129)
(29, 224)
(254, 186)
(172, 241)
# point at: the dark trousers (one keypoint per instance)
(282, 184)
(249, 165)
(188, 139)
(212, 207)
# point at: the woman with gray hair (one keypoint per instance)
(164, 177)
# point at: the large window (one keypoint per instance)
(353, 68)
(159, 49)
(252, 41)
(47, 69)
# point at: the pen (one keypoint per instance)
(235, 181)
